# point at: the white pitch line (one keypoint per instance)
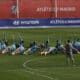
(31, 72)
(26, 67)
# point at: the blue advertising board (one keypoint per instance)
(35, 22)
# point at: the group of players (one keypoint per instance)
(14, 48)
(18, 48)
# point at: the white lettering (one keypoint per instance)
(49, 9)
(29, 22)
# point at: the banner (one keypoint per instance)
(35, 22)
(39, 12)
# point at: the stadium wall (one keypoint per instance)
(39, 13)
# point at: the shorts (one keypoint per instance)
(69, 55)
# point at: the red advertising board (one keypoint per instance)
(39, 9)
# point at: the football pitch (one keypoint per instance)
(35, 66)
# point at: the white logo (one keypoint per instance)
(15, 22)
(14, 9)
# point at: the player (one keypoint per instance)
(76, 44)
(48, 50)
(9, 49)
(20, 48)
(3, 45)
(33, 47)
(31, 50)
(58, 47)
(69, 52)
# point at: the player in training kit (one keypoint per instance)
(19, 48)
(69, 52)
(32, 48)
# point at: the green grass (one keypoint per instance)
(36, 67)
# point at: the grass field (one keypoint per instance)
(36, 67)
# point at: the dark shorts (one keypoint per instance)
(69, 55)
